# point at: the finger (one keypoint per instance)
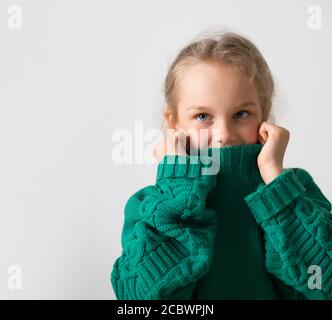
(263, 131)
(181, 139)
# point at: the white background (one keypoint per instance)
(79, 70)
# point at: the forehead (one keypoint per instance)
(216, 81)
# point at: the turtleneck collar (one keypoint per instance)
(237, 166)
(234, 166)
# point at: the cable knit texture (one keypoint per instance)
(172, 232)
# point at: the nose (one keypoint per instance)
(223, 134)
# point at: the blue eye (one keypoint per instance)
(204, 118)
(241, 112)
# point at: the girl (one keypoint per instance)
(253, 229)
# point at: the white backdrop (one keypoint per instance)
(73, 72)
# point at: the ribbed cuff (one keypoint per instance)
(272, 198)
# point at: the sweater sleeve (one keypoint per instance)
(168, 234)
(297, 222)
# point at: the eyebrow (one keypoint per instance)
(250, 104)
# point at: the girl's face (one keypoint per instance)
(219, 98)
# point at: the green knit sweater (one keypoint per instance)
(225, 235)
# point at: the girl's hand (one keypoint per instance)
(173, 144)
(270, 159)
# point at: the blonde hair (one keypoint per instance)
(226, 47)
